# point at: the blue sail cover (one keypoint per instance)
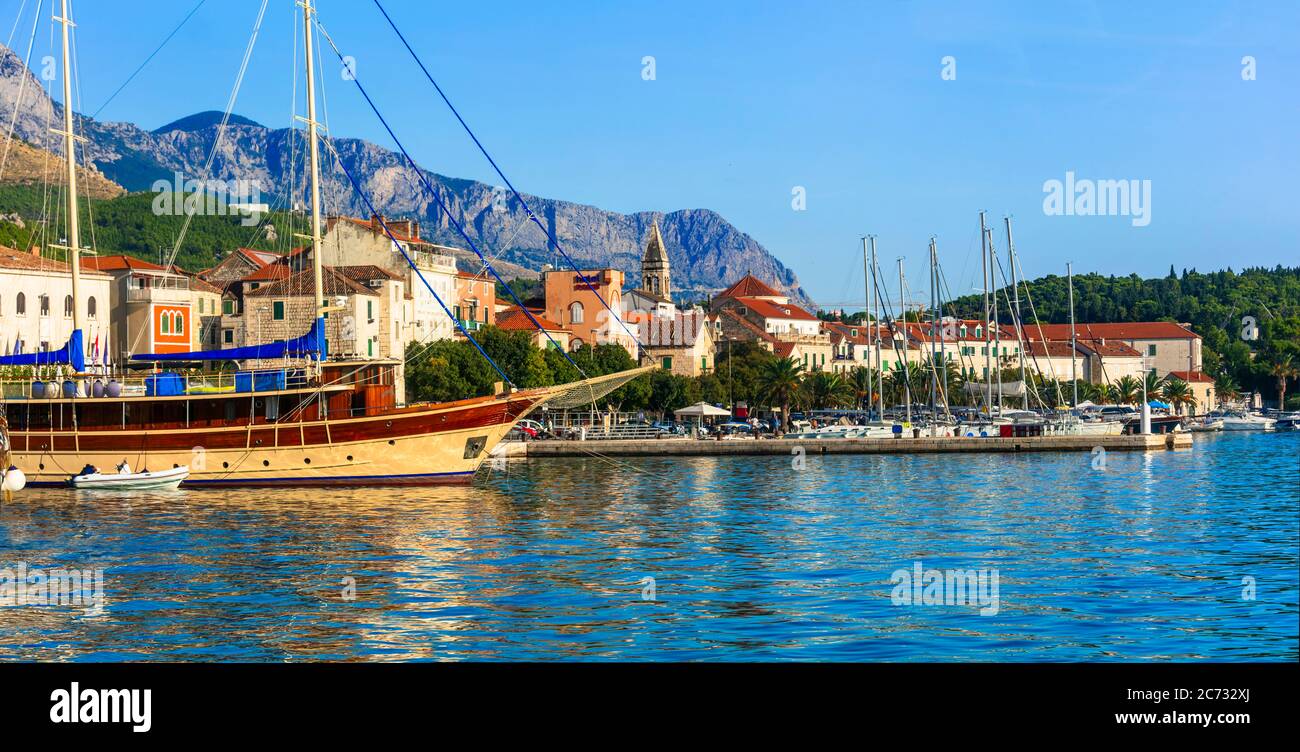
(311, 344)
(72, 354)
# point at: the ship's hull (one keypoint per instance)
(440, 445)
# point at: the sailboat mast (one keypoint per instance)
(994, 268)
(876, 315)
(935, 335)
(907, 371)
(313, 150)
(984, 266)
(866, 320)
(70, 155)
(1074, 376)
(1020, 331)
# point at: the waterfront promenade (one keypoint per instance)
(686, 447)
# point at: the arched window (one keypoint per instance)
(575, 313)
(20, 305)
(91, 307)
(178, 325)
(67, 306)
(963, 331)
(575, 344)
(166, 319)
(45, 305)
(979, 332)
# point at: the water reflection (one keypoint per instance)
(752, 560)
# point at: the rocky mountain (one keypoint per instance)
(706, 252)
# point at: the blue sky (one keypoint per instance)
(754, 98)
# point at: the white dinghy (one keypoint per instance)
(125, 480)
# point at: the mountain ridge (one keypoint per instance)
(706, 253)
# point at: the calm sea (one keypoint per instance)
(1169, 556)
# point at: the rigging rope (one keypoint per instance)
(551, 237)
(142, 65)
(424, 181)
(360, 192)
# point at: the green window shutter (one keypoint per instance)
(277, 310)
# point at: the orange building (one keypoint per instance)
(476, 300)
(571, 303)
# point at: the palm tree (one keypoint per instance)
(1282, 370)
(778, 385)
(823, 389)
(1178, 393)
(1155, 385)
(1226, 387)
(1128, 390)
(1106, 394)
(862, 380)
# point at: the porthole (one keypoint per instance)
(307, 460)
(391, 442)
(42, 466)
(349, 458)
(266, 463)
(174, 465)
(225, 465)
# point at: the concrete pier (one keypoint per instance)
(678, 447)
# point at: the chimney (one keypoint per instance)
(377, 223)
(414, 226)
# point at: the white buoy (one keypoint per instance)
(14, 480)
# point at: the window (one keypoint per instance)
(370, 310)
(20, 305)
(92, 307)
(67, 306)
(166, 319)
(45, 305)
(575, 345)
(575, 313)
(979, 332)
(667, 363)
(228, 307)
(277, 310)
(1151, 351)
(228, 336)
(178, 326)
(962, 330)
(370, 348)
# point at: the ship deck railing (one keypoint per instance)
(193, 384)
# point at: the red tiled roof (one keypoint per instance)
(304, 283)
(513, 318)
(783, 349)
(118, 263)
(1192, 377)
(1126, 330)
(365, 273)
(14, 259)
(379, 228)
(769, 310)
(1111, 349)
(268, 273)
(747, 287)
(753, 328)
(261, 258)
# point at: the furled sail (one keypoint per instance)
(72, 354)
(311, 344)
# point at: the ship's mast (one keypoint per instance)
(1020, 329)
(866, 321)
(314, 155)
(1074, 375)
(875, 312)
(988, 366)
(70, 154)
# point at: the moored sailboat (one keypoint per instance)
(312, 421)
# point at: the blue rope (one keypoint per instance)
(549, 235)
(427, 286)
(442, 205)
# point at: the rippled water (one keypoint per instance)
(751, 560)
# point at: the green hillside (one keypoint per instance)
(128, 224)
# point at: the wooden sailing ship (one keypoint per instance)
(314, 423)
